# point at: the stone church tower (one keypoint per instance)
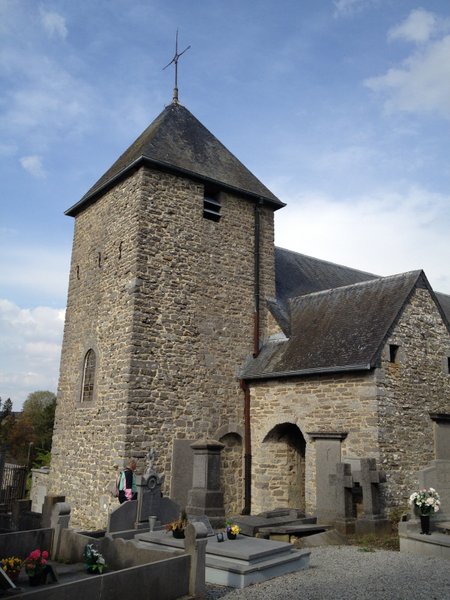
(172, 259)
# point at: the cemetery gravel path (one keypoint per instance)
(349, 573)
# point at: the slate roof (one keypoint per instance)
(297, 274)
(177, 142)
(341, 329)
(444, 301)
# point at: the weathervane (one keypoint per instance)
(175, 61)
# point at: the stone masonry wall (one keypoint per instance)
(385, 412)
(89, 438)
(327, 403)
(409, 389)
(165, 298)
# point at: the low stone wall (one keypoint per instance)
(166, 580)
(21, 543)
(133, 572)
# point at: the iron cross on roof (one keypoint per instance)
(175, 61)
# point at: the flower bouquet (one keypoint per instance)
(232, 530)
(36, 566)
(178, 526)
(95, 563)
(11, 566)
(426, 502)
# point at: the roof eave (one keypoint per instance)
(312, 371)
(144, 160)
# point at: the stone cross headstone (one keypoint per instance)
(343, 484)
(369, 478)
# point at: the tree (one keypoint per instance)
(6, 409)
(33, 429)
(6, 421)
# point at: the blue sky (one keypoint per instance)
(341, 107)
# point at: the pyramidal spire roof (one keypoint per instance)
(177, 142)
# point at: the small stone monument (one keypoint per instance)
(206, 497)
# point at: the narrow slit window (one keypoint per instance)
(211, 206)
(393, 353)
(87, 386)
(448, 365)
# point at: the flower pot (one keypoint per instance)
(178, 534)
(38, 578)
(425, 524)
(13, 575)
(231, 536)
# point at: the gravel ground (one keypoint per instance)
(349, 573)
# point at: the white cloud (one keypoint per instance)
(54, 24)
(39, 270)
(383, 233)
(417, 27)
(30, 346)
(421, 83)
(347, 7)
(33, 165)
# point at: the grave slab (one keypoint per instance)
(240, 562)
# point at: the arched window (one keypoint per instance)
(87, 386)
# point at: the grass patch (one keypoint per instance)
(370, 542)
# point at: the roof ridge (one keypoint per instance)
(416, 272)
(328, 262)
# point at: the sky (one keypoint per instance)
(340, 107)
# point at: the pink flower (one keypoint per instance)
(45, 554)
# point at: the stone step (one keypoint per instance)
(250, 525)
(284, 532)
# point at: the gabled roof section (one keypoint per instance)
(297, 274)
(341, 329)
(444, 302)
(177, 142)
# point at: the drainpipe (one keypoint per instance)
(247, 450)
(243, 383)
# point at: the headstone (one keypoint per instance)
(202, 519)
(437, 476)
(59, 519)
(437, 473)
(328, 454)
(343, 484)
(206, 497)
(441, 426)
(370, 479)
(123, 518)
(195, 545)
(47, 508)
(151, 502)
(182, 466)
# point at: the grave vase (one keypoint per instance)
(38, 578)
(178, 534)
(231, 536)
(425, 524)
